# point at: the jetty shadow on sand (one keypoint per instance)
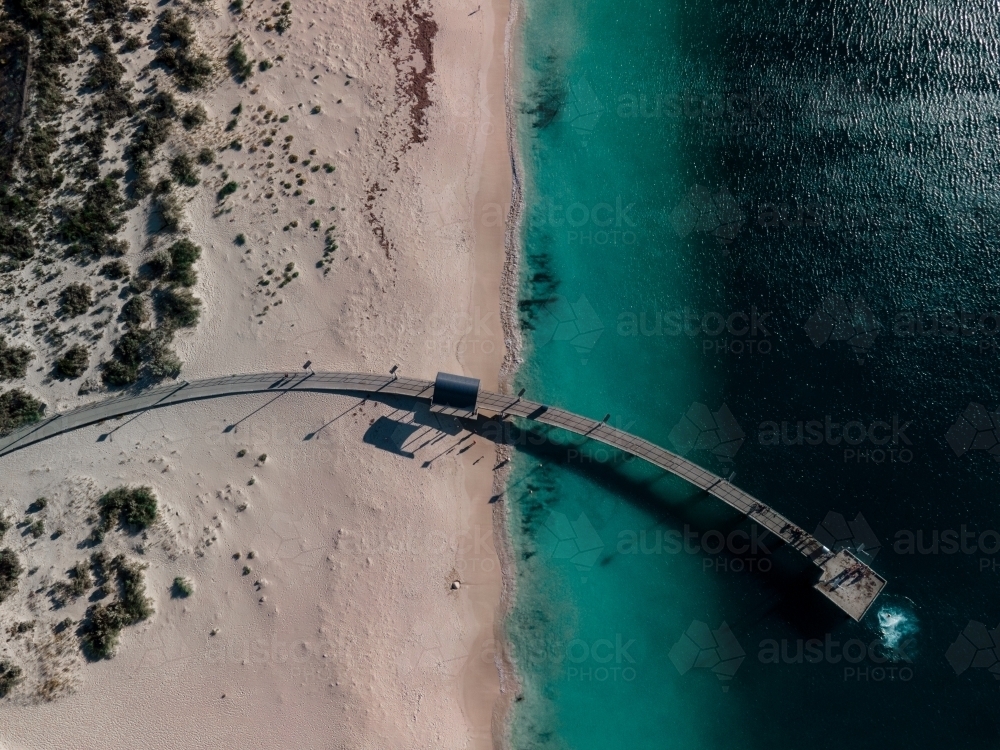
(406, 431)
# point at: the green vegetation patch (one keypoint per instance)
(183, 255)
(177, 308)
(140, 353)
(104, 623)
(75, 299)
(228, 189)
(17, 409)
(191, 68)
(10, 571)
(194, 117)
(92, 226)
(132, 507)
(73, 363)
(13, 360)
(181, 588)
(10, 675)
(183, 170)
(239, 64)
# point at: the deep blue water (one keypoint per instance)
(786, 213)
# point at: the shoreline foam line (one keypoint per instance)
(846, 580)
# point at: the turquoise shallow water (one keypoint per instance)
(749, 231)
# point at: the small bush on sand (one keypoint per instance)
(10, 571)
(194, 117)
(115, 269)
(181, 589)
(13, 360)
(158, 265)
(132, 507)
(75, 299)
(178, 54)
(140, 352)
(10, 675)
(135, 312)
(73, 363)
(205, 156)
(170, 210)
(239, 64)
(183, 255)
(178, 308)
(105, 621)
(91, 226)
(17, 409)
(228, 189)
(183, 170)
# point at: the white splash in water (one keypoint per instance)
(897, 627)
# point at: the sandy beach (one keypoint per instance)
(368, 611)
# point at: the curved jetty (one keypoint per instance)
(845, 579)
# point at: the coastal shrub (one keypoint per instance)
(139, 353)
(170, 210)
(129, 353)
(205, 156)
(159, 264)
(105, 622)
(80, 581)
(109, 10)
(183, 255)
(10, 571)
(75, 299)
(10, 675)
(190, 67)
(135, 312)
(73, 363)
(132, 507)
(5, 524)
(264, 65)
(37, 528)
(181, 588)
(17, 409)
(13, 360)
(194, 117)
(113, 104)
(239, 64)
(228, 189)
(99, 217)
(164, 363)
(15, 241)
(183, 170)
(132, 43)
(107, 72)
(284, 22)
(115, 269)
(177, 308)
(241, 240)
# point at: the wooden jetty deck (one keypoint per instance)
(844, 579)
